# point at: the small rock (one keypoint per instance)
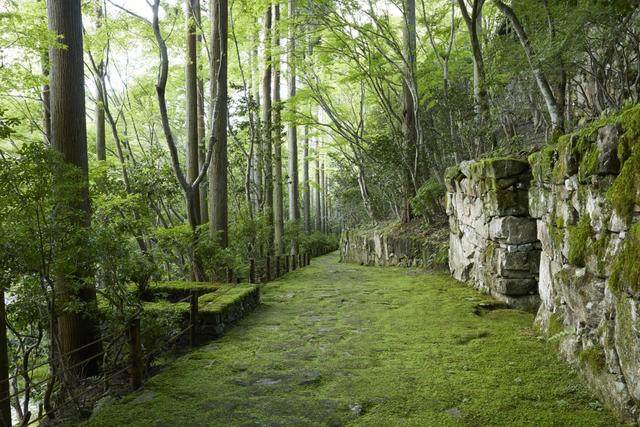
(518, 381)
(356, 409)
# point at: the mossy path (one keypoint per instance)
(336, 344)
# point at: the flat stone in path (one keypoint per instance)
(336, 344)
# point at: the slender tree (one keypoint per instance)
(306, 194)
(218, 211)
(101, 143)
(410, 122)
(267, 152)
(278, 202)
(202, 128)
(77, 329)
(555, 114)
(292, 131)
(318, 205)
(191, 73)
(473, 20)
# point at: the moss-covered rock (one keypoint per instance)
(580, 239)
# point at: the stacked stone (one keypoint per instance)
(589, 300)
(493, 241)
(388, 249)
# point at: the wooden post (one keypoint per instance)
(276, 266)
(286, 264)
(252, 270)
(293, 263)
(5, 405)
(193, 319)
(135, 354)
(230, 275)
(300, 262)
(267, 267)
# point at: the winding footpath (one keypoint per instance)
(337, 344)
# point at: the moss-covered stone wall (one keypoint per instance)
(392, 245)
(493, 240)
(585, 197)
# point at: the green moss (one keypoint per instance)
(580, 236)
(624, 194)
(589, 164)
(593, 357)
(404, 345)
(452, 173)
(555, 326)
(175, 291)
(626, 269)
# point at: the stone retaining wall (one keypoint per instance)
(493, 241)
(583, 212)
(388, 248)
(585, 198)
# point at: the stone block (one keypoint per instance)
(515, 287)
(608, 139)
(513, 230)
(506, 203)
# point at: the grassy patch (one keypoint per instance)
(336, 344)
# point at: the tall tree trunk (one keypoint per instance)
(258, 161)
(78, 333)
(306, 194)
(202, 128)
(323, 202)
(46, 109)
(473, 21)
(191, 73)
(318, 205)
(278, 208)
(409, 126)
(292, 131)
(218, 194)
(267, 130)
(101, 144)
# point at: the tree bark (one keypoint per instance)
(191, 74)
(267, 129)
(292, 131)
(218, 195)
(409, 126)
(278, 208)
(46, 109)
(474, 22)
(318, 205)
(202, 128)
(306, 194)
(78, 333)
(101, 143)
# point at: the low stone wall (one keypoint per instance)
(493, 241)
(585, 199)
(384, 247)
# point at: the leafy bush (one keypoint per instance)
(429, 201)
